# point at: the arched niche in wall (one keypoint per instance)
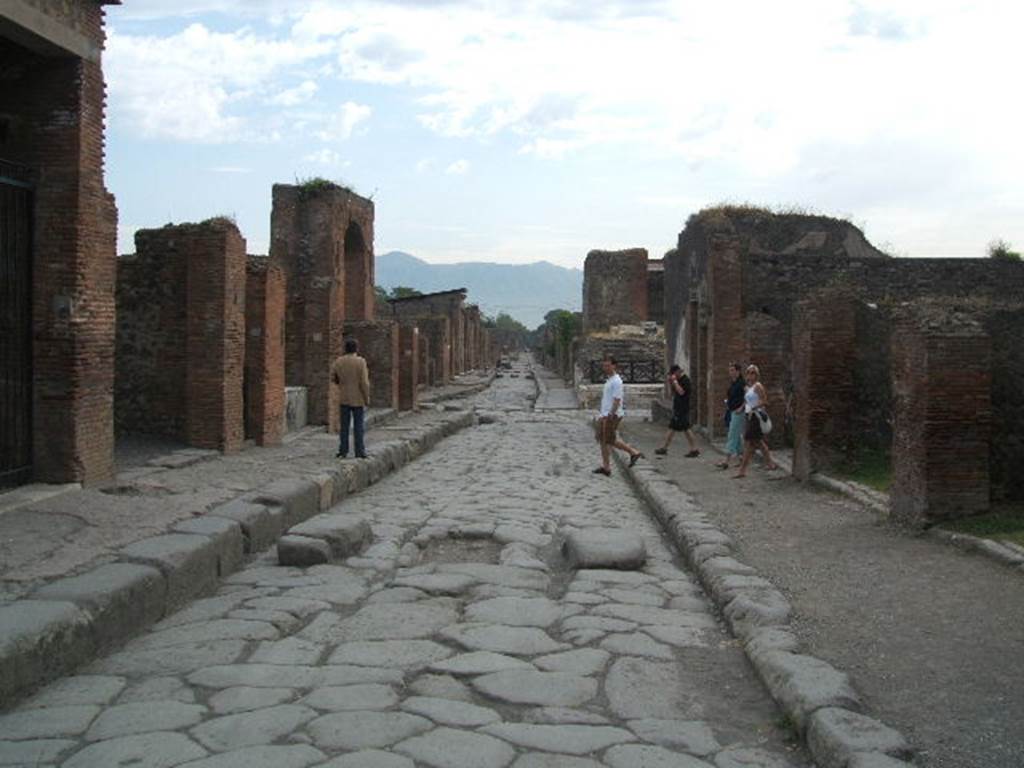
(356, 273)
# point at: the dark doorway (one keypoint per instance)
(355, 274)
(15, 327)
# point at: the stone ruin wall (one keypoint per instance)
(181, 335)
(615, 287)
(265, 292)
(448, 304)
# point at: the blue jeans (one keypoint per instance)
(356, 414)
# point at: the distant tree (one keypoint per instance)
(404, 292)
(1000, 249)
(380, 294)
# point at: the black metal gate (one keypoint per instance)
(15, 327)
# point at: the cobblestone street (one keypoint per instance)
(460, 639)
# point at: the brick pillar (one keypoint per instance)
(438, 331)
(693, 361)
(408, 367)
(264, 352)
(824, 355)
(424, 362)
(215, 334)
(378, 343)
(942, 413)
(726, 329)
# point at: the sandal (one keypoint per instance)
(660, 451)
(635, 458)
(603, 471)
(722, 464)
(693, 454)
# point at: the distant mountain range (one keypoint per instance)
(525, 291)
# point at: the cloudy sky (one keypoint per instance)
(521, 130)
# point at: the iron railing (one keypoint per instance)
(631, 371)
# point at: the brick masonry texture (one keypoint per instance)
(408, 367)
(322, 240)
(425, 363)
(264, 351)
(181, 335)
(435, 330)
(447, 304)
(379, 344)
(614, 289)
(54, 110)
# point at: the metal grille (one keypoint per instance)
(15, 328)
(631, 371)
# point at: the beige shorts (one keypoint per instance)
(606, 429)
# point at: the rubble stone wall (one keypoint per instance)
(408, 367)
(614, 289)
(379, 344)
(447, 304)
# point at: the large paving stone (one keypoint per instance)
(750, 757)
(408, 654)
(80, 689)
(340, 591)
(302, 551)
(605, 548)
(298, 756)
(246, 699)
(158, 689)
(658, 616)
(188, 562)
(636, 597)
(836, 735)
(207, 631)
(542, 760)
(41, 752)
(447, 712)
(437, 583)
(300, 607)
(562, 716)
(291, 650)
(571, 739)
(257, 676)
(644, 756)
(170, 660)
(40, 639)
(342, 698)
(636, 644)
(516, 611)
(52, 723)
(450, 748)
(501, 575)
(518, 641)
(404, 621)
(585, 661)
(638, 688)
(479, 663)
(249, 729)
(149, 750)
(543, 688)
(441, 687)
(365, 730)
(369, 758)
(346, 535)
(144, 717)
(121, 598)
(680, 637)
(694, 737)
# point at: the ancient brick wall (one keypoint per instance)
(443, 304)
(408, 367)
(181, 335)
(379, 344)
(264, 351)
(725, 329)
(1005, 327)
(942, 385)
(614, 289)
(426, 364)
(53, 112)
(436, 331)
(766, 347)
(322, 240)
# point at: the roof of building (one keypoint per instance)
(463, 291)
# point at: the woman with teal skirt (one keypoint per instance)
(734, 414)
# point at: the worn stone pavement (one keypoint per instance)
(458, 640)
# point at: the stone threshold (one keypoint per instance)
(817, 698)
(68, 622)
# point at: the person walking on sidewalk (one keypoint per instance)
(352, 378)
(680, 385)
(755, 400)
(735, 421)
(612, 412)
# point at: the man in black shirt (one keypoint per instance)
(680, 385)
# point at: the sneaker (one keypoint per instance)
(603, 471)
(661, 451)
(693, 454)
(340, 455)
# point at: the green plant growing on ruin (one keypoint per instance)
(869, 466)
(1000, 249)
(313, 185)
(221, 220)
(1005, 523)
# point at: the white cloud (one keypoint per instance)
(341, 124)
(300, 94)
(458, 168)
(327, 157)
(425, 165)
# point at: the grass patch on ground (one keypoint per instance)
(872, 468)
(1005, 522)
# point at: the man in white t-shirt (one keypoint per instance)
(607, 424)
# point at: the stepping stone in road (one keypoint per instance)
(605, 548)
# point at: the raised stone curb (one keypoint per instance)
(817, 698)
(65, 623)
(1001, 553)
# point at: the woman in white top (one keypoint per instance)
(755, 399)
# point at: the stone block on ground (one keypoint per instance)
(121, 598)
(834, 736)
(297, 497)
(258, 527)
(39, 640)
(302, 551)
(226, 534)
(803, 684)
(188, 562)
(344, 534)
(605, 548)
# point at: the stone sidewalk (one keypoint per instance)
(460, 639)
(931, 636)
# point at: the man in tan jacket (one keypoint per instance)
(350, 375)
